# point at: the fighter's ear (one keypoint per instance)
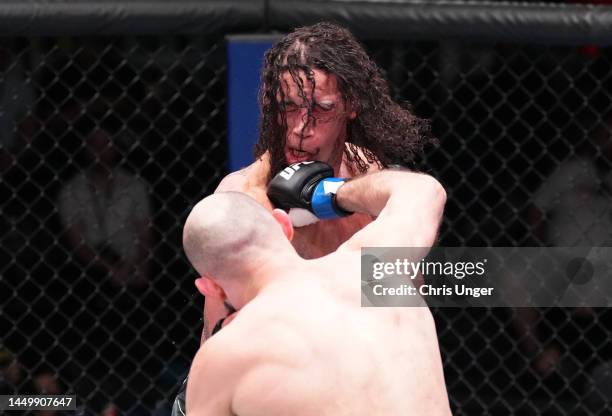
(285, 222)
(209, 288)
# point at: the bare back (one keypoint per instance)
(321, 353)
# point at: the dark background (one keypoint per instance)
(508, 108)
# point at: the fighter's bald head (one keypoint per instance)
(226, 231)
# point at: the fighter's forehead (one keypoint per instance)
(325, 84)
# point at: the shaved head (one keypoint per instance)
(227, 232)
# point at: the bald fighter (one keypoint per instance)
(301, 344)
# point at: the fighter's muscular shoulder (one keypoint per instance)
(247, 370)
(220, 357)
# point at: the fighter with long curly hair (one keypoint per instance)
(380, 131)
(323, 99)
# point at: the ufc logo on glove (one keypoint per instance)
(307, 191)
(288, 172)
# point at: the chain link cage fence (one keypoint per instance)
(97, 298)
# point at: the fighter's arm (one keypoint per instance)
(233, 182)
(408, 207)
(213, 377)
(228, 375)
(251, 180)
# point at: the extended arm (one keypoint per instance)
(408, 207)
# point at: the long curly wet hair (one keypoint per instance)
(387, 132)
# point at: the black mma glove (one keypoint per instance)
(304, 189)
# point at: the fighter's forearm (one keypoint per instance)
(367, 194)
(370, 193)
(408, 207)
